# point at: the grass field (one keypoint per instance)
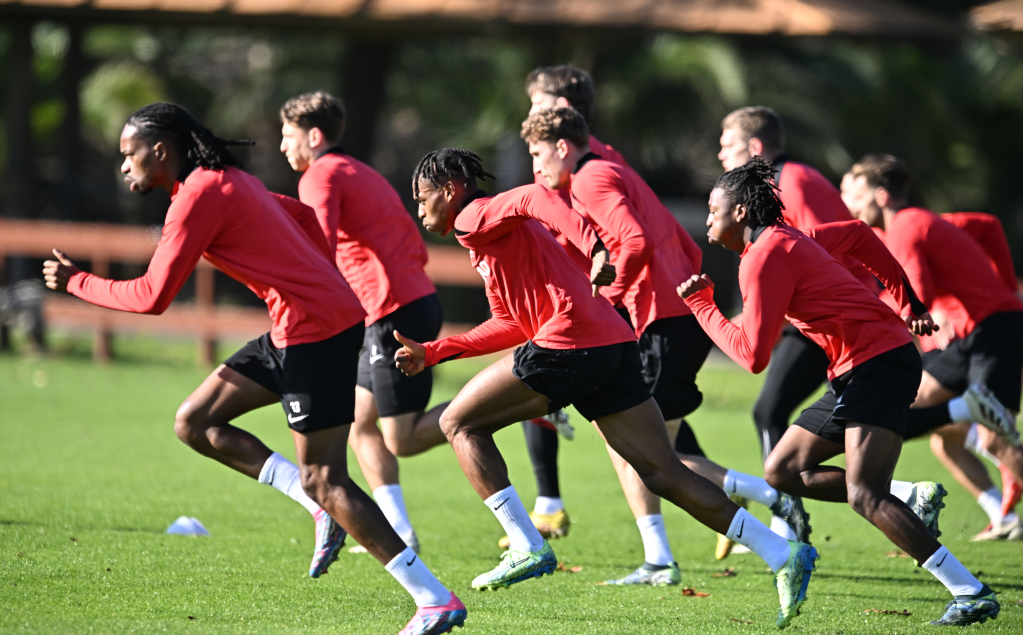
(91, 475)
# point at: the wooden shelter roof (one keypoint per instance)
(1004, 15)
(886, 18)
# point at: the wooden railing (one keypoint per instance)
(101, 245)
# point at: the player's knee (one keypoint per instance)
(450, 425)
(778, 473)
(863, 499)
(187, 425)
(658, 482)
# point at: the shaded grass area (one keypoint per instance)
(91, 475)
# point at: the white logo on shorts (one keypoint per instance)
(374, 357)
(296, 407)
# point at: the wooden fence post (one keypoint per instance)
(102, 337)
(204, 296)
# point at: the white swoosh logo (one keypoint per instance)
(373, 359)
(293, 419)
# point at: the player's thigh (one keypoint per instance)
(639, 436)
(494, 398)
(871, 453)
(223, 396)
(932, 392)
(322, 455)
(799, 450)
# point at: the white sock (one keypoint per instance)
(753, 534)
(655, 540)
(752, 487)
(282, 475)
(959, 410)
(972, 443)
(392, 503)
(902, 490)
(991, 502)
(513, 516)
(422, 585)
(780, 527)
(950, 572)
(548, 505)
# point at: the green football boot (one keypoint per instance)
(927, 504)
(652, 574)
(792, 580)
(517, 566)
(790, 509)
(964, 610)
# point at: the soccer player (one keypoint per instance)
(977, 377)
(381, 254)
(798, 366)
(307, 362)
(579, 352)
(874, 370)
(651, 252)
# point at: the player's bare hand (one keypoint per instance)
(58, 272)
(411, 357)
(922, 324)
(695, 284)
(603, 272)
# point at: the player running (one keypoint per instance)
(977, 377)
(308, 361)
(650, 251)
(579, 352)
(874, 372)
(798, 366)
(381, 254)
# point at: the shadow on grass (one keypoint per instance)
(77, 527)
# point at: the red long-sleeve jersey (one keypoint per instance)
(788, 274)
(649, 249)
(811, 200)
(279, 253)
(534, 289)
(379, 250)
(948, 269)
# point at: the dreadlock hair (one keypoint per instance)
(454, 164)
(753, 185)
(170, 121)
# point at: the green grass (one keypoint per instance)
(91, 475)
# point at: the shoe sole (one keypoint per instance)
(494, 586)
(808, 568)
(980, 620)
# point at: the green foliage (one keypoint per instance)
(92, 474)
(112, 93)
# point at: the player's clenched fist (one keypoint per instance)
(58, 272)
(602, 273)
(411, 357)
(922, 324)
(694, 284)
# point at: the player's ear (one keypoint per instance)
(740, 213)
(449, 190)
(562, 147)
(756, 147)
(882, 197)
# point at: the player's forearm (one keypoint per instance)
(133, 296)
(726, 335)
(484, 339)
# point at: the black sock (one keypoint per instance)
(924, 420)
(543, 452)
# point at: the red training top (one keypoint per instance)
(229, 217)
(649, 249)
(788, 274)
(380, 251)
(602, 150)
(534, 289)
(948, 269)
(811, 200)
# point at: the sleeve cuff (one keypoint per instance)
(700, 298)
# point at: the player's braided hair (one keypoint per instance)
(201, 146)
(753, 185)
(453, 164)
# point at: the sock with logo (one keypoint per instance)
(655, 540)
(548, 505)
(902, 490)
(752, 487)
(950, 572)
(991, 502)
(392, 503)
(422, 585)
(282, 475)
(511, 513)
(753, 534)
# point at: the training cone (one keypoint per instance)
(187, 526)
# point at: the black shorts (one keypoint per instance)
(395, 392)
(672, 351)
(877, 392)
(316, 381)
(992, 354)
(598, 381)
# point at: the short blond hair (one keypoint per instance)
(552, 124)
(760, 122)
(316, 110)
